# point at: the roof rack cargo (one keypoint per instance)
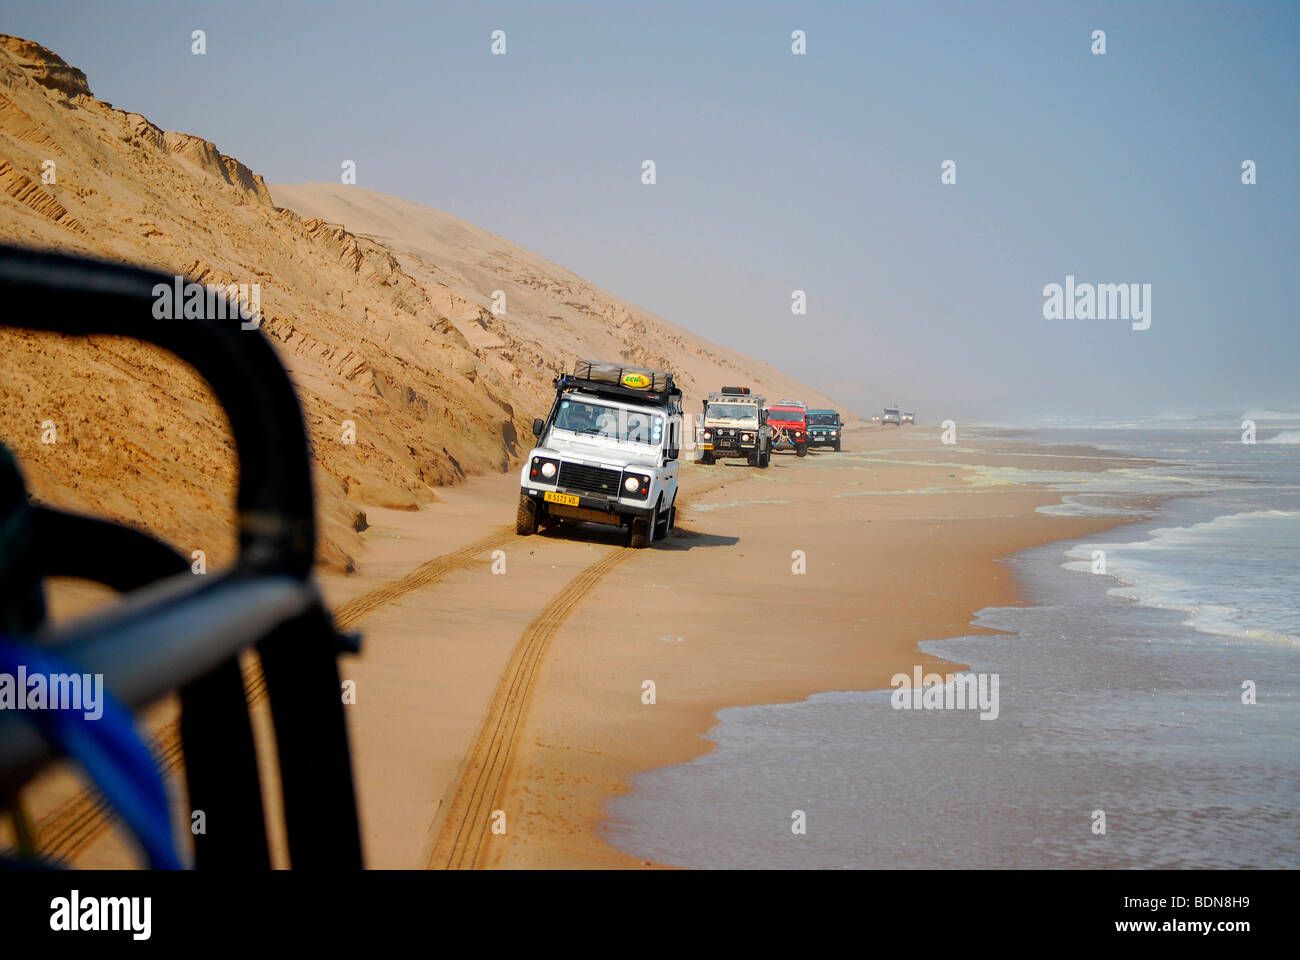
(724, 397)
(617, 380)
(736, 391)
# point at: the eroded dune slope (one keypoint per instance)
(379, 308)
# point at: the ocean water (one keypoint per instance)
(1120, 695)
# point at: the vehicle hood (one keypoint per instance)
(601, 451)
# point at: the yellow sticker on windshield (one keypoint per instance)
(637, 381)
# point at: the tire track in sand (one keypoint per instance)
(465, 822)
(84, 817)
(462, 823)
(76, 823)
(429, 572)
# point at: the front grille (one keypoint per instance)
(575, 476)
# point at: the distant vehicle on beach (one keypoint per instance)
(789, 422)
(735, 425)
(824, 428)
(909, 417)
(892, 416)
(606, 453)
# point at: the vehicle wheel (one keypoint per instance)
(707, 458)
(641, 532)
(801, 451)
(764, 458)
(752, 459)
(526, 516)
(837, 446)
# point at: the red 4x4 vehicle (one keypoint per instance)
(789, 422)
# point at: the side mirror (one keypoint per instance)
(673, 453)
(538, 423)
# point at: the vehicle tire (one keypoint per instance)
(801, 451)
(707, 458)
(764, 458)
(837, 446)
(526, 516)
(752, 459)
(640, 533)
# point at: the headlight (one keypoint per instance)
(798, 433)
(543, 470)
(746, 437)
(708, 435)
(835, 433)
(637, 487)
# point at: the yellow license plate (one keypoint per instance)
(568, 499)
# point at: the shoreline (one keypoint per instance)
(899, 548)
(574, 761)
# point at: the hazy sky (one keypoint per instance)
(818, 172)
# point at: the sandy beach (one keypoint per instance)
(511, 689)
(499, 673)
(522, 691)
(719, 619)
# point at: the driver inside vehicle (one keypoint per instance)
(587, 418)
(576, 417)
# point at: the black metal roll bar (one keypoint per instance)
(176, 632)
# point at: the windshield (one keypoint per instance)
(785, 414)
(891, 413)
(620, 423)
(733, 411)
(822, 419)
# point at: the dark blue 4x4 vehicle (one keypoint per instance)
(825, 428)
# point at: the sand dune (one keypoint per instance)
(381, 310)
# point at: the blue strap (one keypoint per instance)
(107, 748)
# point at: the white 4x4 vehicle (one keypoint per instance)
(606, 453)
(735, 425)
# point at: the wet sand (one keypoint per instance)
(719, 619)
(898, 546)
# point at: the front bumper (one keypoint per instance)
(595, 509)
(731, 444)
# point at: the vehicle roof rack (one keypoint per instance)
(736, 391)
(746, 397)
(621, 382)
